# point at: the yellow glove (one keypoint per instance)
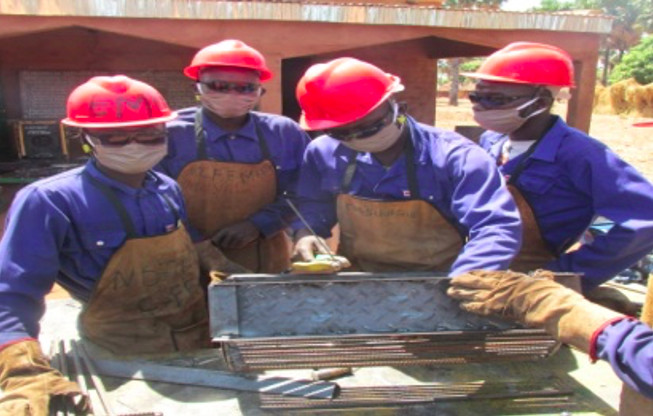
(30, 384)
(322, 264)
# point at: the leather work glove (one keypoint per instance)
(212, 259)
(308, 245)
(536, 301)
(612, 298)
(236, 235)
(31, 386)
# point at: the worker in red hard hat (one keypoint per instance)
(111, 233)
(561, 178)
(406, 196)
(234, 164)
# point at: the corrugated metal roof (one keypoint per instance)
(351, 13)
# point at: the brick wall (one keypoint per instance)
(44, 93)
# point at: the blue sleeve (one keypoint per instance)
(622, 195)
(277, 215)
(628, 346)
(29, 262)
(316, 204)
(481, 202)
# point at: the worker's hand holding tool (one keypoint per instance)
(314, 257)
(30, 385)
(536, 301)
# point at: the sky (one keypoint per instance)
(519, 5)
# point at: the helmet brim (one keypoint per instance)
(193, 71)
(136, 123)
(643, 124)
(495, 78)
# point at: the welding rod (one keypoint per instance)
(80, 351)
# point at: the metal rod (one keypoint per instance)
(81, 352)
(303, 220)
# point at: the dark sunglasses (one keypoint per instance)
(363, 131)
(494, 99)
(122, 138)
(226, 86)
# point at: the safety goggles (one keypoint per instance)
(226, 86)
(495, 99)
(124, 137)
(362, 132)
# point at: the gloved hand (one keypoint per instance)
(308, 245)
(612, 298)
(212, 259)
(30, 385)
(536, 301)
(236, 235)
(322, 264)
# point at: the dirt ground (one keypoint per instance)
(633, 144)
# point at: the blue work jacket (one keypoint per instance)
(64, 229)
(569, 180)
(453, 174)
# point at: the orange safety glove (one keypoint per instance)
(536, 301)
(31, 386)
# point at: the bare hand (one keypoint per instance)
(307, 246)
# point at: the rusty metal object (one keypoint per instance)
(355, 320)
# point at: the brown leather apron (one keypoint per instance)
(219, 194)
(148, 299)
(535, 252)
(379, 236)
(633, 403)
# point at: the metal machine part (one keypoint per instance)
(355, 320)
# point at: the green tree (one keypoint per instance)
(637, 63)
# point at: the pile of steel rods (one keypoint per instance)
(395, 350)
(71, 359)
(380, 396)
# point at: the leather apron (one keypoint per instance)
(535, 252)
(148, 299)
(633, 403)
(219, 194)
(381, 236)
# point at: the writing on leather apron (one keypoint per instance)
(379, 236)
(219, 194)
(148, 299)
(535, 252)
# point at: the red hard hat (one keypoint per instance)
(528, 63)
(116, 101)
(229, 52)
(342, 91)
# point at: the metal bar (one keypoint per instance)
(80, 351)
(142, 370)
(309, 228)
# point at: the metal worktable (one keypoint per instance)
(589, 388)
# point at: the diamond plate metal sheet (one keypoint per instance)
(343, 304)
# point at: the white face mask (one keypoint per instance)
(505, 120)
(380, 141)
(229, 105)
(131, 158)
